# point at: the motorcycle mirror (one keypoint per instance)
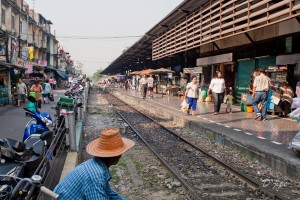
(46, 135)
(79, 104)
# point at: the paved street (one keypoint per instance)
(13, 119)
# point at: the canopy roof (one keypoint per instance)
(141, 52)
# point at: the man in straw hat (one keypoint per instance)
(90, 179)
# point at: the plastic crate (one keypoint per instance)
(65, 103)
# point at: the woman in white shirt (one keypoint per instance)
(191, 94)
(217, 86)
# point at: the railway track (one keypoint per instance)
(201, 173)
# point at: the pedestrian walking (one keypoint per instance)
(51, 81)
(70, 79)
(37, 88)
(90, 179)
(144, 84)
(191, 94)
(54, 84)
(46, 91)
(150, 82)
(229, 101)
(217, 86)
(261, 87)
(22, 92)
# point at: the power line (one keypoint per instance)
(88, 37)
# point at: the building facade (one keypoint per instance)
(22, 31)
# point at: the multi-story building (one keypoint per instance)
(20, 29)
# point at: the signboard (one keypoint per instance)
(198, 70)
(223, 58)
(29, 69)
(188, 70)
(20, 62)
(43, 63)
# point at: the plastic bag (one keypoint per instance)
(184, 106)
(296, 103)
(294, 113)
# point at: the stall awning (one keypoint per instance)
(62, 74)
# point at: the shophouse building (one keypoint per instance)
(22, 28)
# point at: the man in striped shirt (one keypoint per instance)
(89, 180)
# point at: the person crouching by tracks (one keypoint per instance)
(191, 94)
(90, 179)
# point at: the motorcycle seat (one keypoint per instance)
(38, 147)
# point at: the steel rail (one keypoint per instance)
(244, 177)
(191, 190)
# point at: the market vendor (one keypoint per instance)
(287, 95)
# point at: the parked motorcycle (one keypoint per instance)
(39, 123)
(20, 159)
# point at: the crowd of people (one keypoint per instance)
(220, 94)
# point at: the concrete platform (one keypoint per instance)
(264, 141)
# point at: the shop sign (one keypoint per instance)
(223, 58)
(29, 68)
(198, 70)
(20, 62)
(188, 70)
(43, 63)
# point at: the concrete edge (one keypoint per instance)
(70, 163)
(276, 162)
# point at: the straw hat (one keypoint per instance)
(109, 144)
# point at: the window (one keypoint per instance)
(3, 16)
(13, 22)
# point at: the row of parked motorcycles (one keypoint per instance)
(32, 155)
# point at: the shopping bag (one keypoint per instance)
(184, 106)
(225, 99)
(294, 113)
(296, 103)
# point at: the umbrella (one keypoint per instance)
(146, 72)
(162, 71)
(135, 73)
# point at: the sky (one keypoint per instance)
(102, 19)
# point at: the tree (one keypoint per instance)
(96, 76)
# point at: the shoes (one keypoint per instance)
(264, 120)
(257, 116)
(215, 113)
(188, 112)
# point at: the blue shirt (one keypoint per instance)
(87, 181)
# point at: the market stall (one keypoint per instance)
(165, 85)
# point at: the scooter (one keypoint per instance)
(20, 160)
(39, 123)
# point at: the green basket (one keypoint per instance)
(65, 103)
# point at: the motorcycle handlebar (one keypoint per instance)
(49, 192)
(28, 110)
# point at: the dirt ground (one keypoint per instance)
(139, 174)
